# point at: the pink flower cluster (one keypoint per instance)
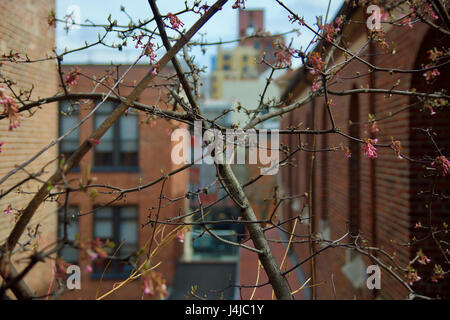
(174, 21)
(346, 150)
(148, 47)
(10, 109)
(430, 107)
(315, 60)
(433, 55)
(292, 19)
(154, 285)
(422, 258)
(431, 74)
(8, 210)
(369, 150)
(371, 126)
(180, 235)
(412, 277)
(397, 146)
(283, 56)
(438, 273)
(1, 144)
(442, 165)
(71, 78)
(315, 86)
(61, 269)
(332, 29)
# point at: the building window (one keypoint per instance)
(68, 253)
(120, 226)
(226, 67)
(206, 246)
(118, 148)
(68, 119)
(226, 57)
(244, 58)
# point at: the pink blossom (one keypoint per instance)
(149, 50)
(442, 165)
(396, 145)
(346, 150)
(423, 259)
(369, 150)
(348, 154)
(438, 273)
(138, 40)
(332, 29)
(316, 62)
(8, 210)
(10, 109)
(315, 86)
(292, 19)
(430, 107)
(283, 57)
(371, 128)
(412, 277)
(1, 144)
(431, 12)
(155, 69)
(180, 235)
(148, 287)
(174, 21)
(431, 74)
(94, 141)
(88, 268)
(92, 254)
(61, 268)
(71, 78)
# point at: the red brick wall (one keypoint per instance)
(24, 29)
(388, 186)
(154, 158)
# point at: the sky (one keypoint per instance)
(222, 26)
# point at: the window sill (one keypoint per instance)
(116, 169)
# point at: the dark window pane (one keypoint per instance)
(68, 120)
(103, 159)
(119, 146)
(68, 253)
(103, 226)
(120, 225)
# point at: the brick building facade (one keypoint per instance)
(24, 29)
(379, 198)
(135, 151)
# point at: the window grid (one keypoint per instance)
(117, 158)
(117, 216)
